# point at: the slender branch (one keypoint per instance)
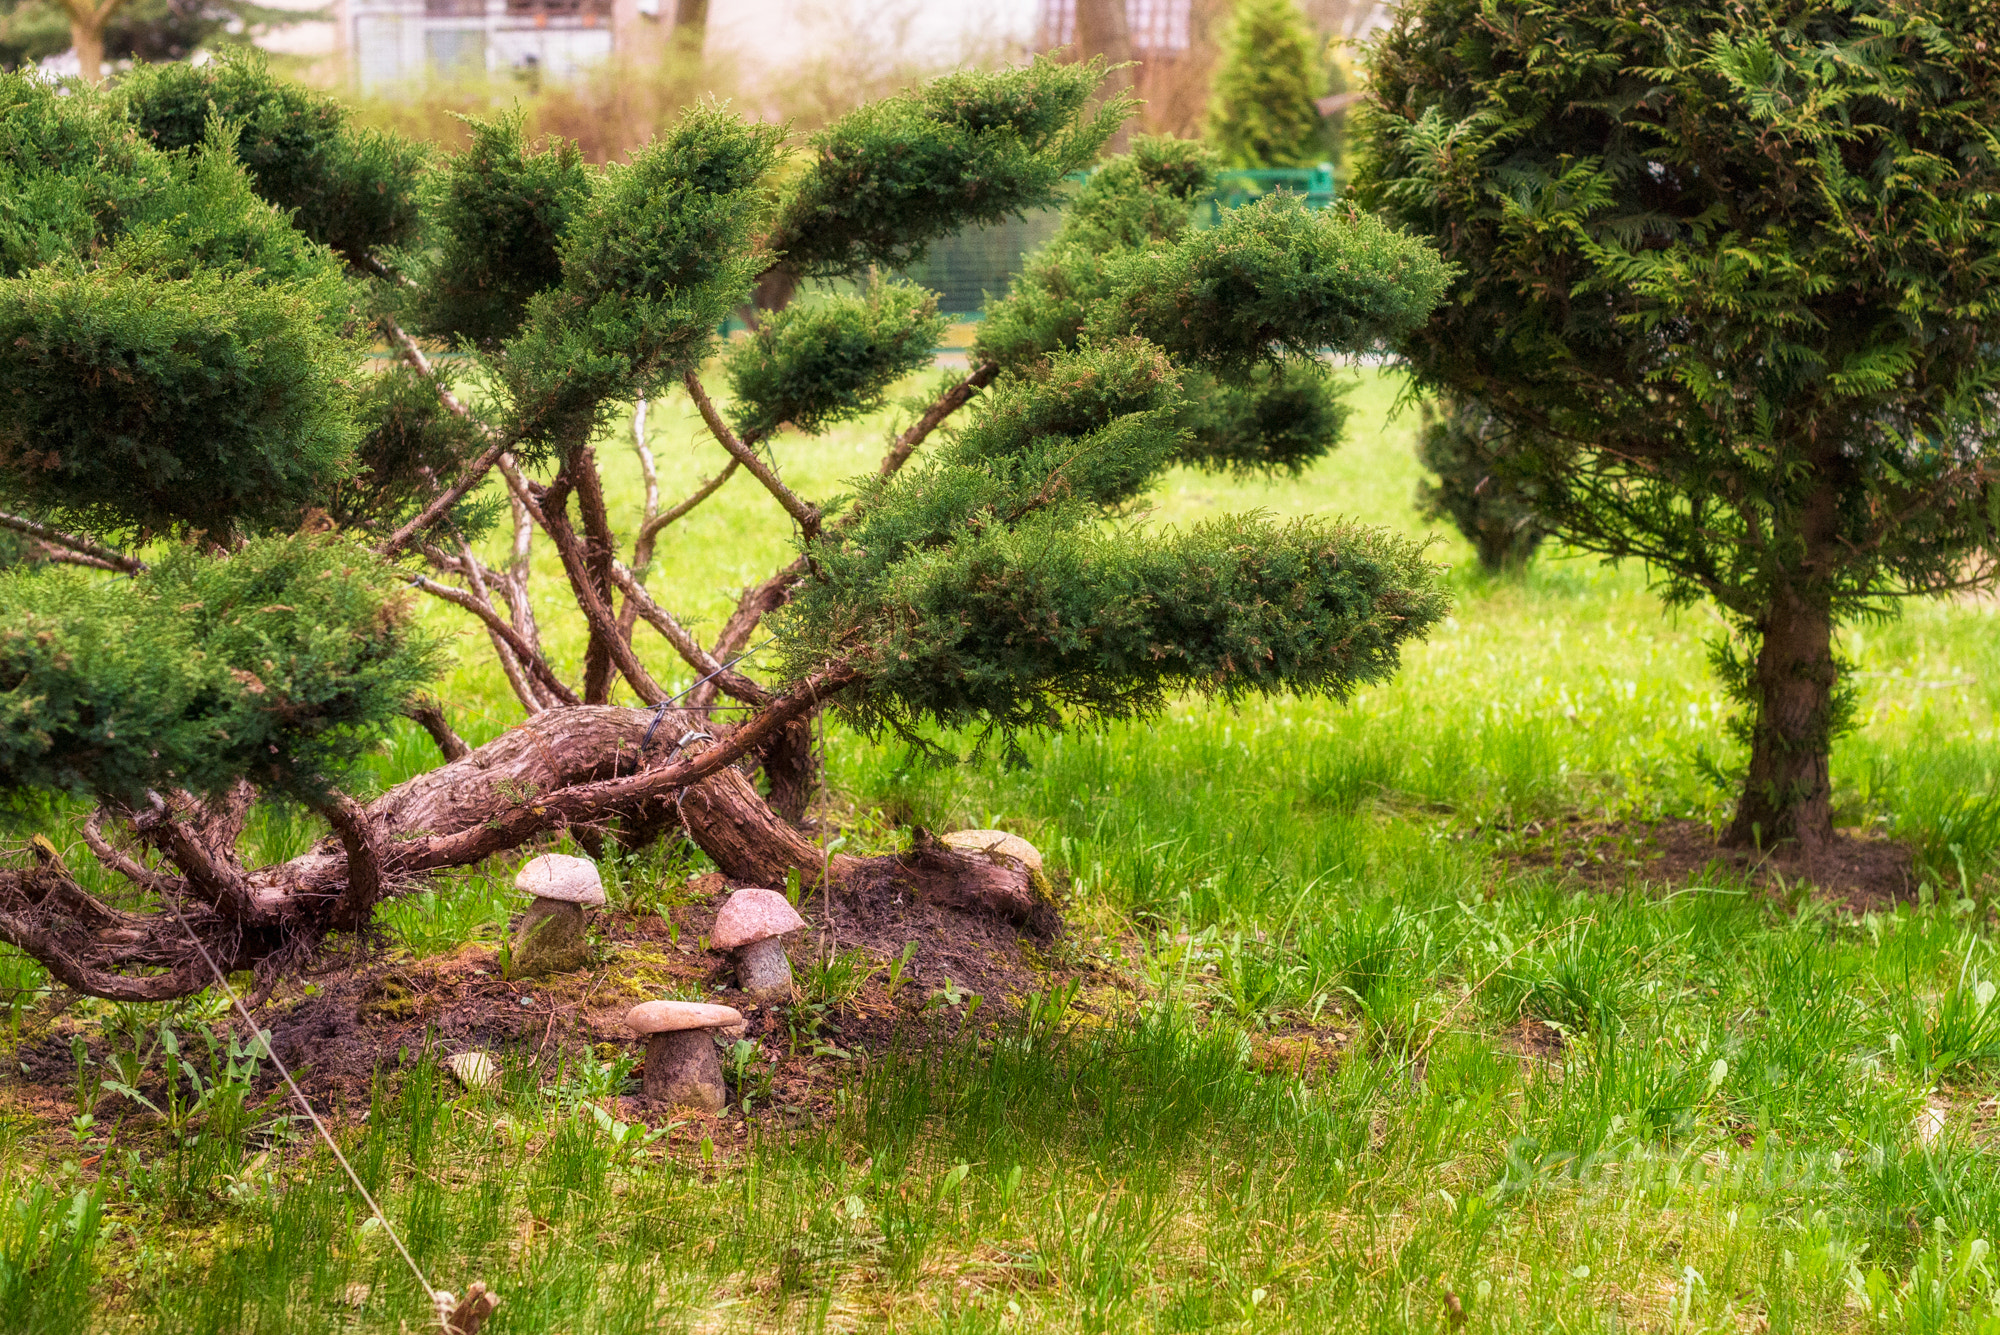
(599, 551)
(429, 715)
(414, 355)
(647, 470)
(652, 527)
(807, 515)
(108, 558)
(130, 868)
(948, 403)
(555, 522)
(475, 472)
(519, 605)
(222, 819)
(763, 599)
(215, 882)
(61, 888)
(739, 686)
(524, 491)
(544, 674)
(524, 687)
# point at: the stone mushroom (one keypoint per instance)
(681, 1063)
(753, 923)
(551, 937)
(996, 841)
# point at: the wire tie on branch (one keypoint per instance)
(660, 709)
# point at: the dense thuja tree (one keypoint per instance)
(1726, 271)
(231, 514)
(1467, 483)
(1261, 110)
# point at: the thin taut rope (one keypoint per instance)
(441, 1301)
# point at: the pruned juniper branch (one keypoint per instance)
(88, 550)
(685, 644)
(804, 513)
(760, 600)
(545, 676)
(933, 417)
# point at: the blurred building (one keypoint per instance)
(391, 42)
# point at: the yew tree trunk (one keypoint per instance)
(1788, 792)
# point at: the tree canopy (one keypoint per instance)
(1725, 275)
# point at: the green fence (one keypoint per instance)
(967, 267)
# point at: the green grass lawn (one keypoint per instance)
(1342, 1059)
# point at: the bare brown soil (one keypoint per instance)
(373, 1014)
(1860, 873)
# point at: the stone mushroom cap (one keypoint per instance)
(996, 841)
(752, 915)
(668, 1017)
(561, 877)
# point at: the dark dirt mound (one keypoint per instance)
(372, 1014)
(1859, 872)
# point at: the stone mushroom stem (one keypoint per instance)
(764, 971)
(550, 939)
(683, 1069)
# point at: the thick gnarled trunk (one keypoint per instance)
(575, 768)
(1788, 791)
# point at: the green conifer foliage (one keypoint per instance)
(1471, 483)
(891, 177)
(822, 362)
(276, 662)
(652, 262)
(496, 217)
(352, 189)
(1728, 275)
(1260, 107)
(132, 401)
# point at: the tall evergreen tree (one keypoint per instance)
(238, 508)
(1261, 112)
(1726, 273)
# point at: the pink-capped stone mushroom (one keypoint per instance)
(682, 1067)
(753, 923)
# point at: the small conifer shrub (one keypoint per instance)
(1261, 109)
(1465, 454)
(231, 509)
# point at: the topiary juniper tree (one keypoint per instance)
(233, 509)
(1727, 273)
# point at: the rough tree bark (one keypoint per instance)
(1788, 791)
(575, 768)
